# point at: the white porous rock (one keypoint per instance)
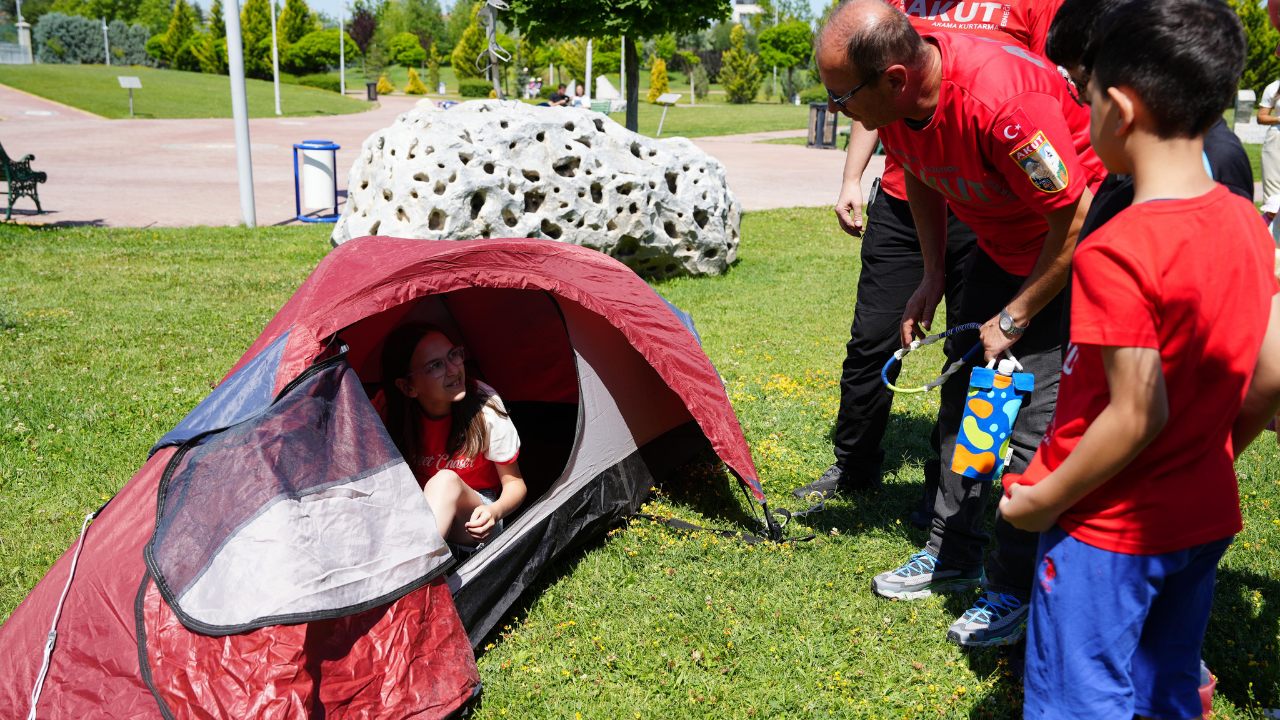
(501, 168)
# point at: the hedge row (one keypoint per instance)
(75, 40)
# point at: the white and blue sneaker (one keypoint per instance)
(995, 619)
(921, 577)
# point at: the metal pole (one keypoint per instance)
(130, 102)
(664, 119)
(19, 10)
(342, 50)
(588, 80)
(106, 43)
(240, 111)
(275, 58)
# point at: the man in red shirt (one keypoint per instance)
(1163, 385)
(891, 264)
(995, 133)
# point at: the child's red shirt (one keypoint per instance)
(479, 472)
(1192, 279)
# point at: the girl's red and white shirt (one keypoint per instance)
(480, 472)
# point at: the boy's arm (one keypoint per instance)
(1136, 414)
(1263, 399)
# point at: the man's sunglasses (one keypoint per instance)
(437, 367)
(845, 97)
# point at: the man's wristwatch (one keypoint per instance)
(1008, 326)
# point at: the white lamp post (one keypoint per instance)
(106, 42)
(240, 111)
(342, 51)
(275, 58)
(588, 78)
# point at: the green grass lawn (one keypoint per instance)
(109, 336)
(167, 93)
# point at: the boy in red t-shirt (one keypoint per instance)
(1133, 488)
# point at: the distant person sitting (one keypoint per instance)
(558, 98)
(454, 433)
(1271, 141)
(580, 99)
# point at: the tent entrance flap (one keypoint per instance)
(304, 512)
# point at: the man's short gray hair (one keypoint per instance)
(882, 40)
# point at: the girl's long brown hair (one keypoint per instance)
(468, 434)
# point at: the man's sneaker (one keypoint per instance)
(921, 577)
(995, 619)
(836, 481)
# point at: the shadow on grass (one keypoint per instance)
(1240, 644)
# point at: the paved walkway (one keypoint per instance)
(136, 173)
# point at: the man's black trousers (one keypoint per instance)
(892, 269)
(956, 537)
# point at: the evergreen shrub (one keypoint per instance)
(475, 87)
(323, 81)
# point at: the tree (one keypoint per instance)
(255, 32)
(1261, 66)
(664, 46)
(181, 28)
(433, 68)
(787, 45)
(155, 14)
(469, 47)
(415, 86)
(295, 22)
(217, 23)
(316, 52)
(658, 80)
(459, 20)
(361, 28)
(548, 19)
(405, 50)
(701, 83)
(740, 74)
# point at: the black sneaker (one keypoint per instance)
(833, 482)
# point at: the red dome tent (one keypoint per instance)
(274, 558)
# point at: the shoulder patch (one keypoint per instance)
(1040, 161)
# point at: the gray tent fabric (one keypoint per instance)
(303, 512)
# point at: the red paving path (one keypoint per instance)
(135, 173)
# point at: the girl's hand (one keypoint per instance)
(481, 524)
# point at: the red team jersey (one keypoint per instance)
(1007, 145)
(1192, 279)
(1025, 22)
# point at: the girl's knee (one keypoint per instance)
(444, 484)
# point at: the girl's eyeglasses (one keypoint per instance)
(437, 367)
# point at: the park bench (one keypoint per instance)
(22, 180)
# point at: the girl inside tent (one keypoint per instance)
(453, 431)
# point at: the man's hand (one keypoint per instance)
(994, 340)
(1026, 508)
(849, 208)
(480, 527)
(918, 318)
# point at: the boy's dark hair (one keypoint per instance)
(1183, 58)
(1073, 28)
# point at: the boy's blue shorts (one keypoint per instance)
(1111, 635)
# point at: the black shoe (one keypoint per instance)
(835, 481)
